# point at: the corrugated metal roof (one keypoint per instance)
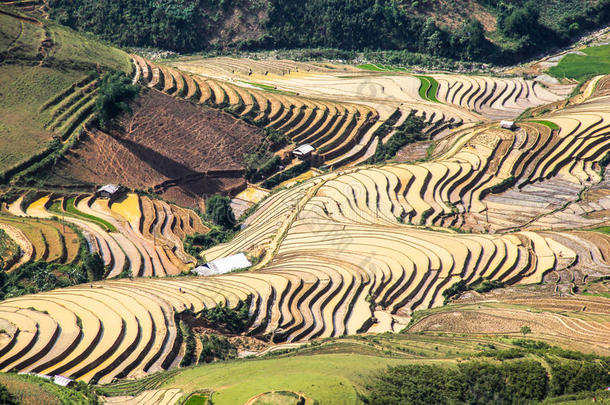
(109, 188)
(223, 265)
(61, 380)
(304, 149)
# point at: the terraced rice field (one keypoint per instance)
(359, 249)
(134, 234)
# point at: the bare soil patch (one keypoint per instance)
(181, 150)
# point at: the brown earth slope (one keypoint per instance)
(180, 150)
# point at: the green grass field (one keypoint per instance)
(549, 124)
(332, 371)
(579, 67)
(197, 399)
(327, 378)
(376, 67)
(428, 88)
(72, 211)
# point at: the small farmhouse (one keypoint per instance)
(108, 191)
(304, 151)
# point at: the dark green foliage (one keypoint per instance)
(484, 384)
(417, 385)
(287, 174)
(262, 163)
(93, 266)
(484, 286)
(216, 347)
(507, 354)
(194, 244)
(455, 289)
(526, 27)
(6, 397)
(514, 382)
(234, 320)
(410, 131)
(189, 352)
(33, 277)
(115, 91)
(218, 208)
(531, 344)
(572, 376)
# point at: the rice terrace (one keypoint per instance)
(315, 202)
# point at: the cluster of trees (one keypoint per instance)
(216, 347)
(232, 320)
(217, 210)
(189, 26)
(287, 174)
(180, 25)
(477, 382)
(261, 162)
(34, 277)
(408, 132)
(115, 92)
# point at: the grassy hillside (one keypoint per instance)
(344, 370)
(40, 60)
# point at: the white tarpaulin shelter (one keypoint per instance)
(508, 124)
(303, 150)
(223, 265)
(61, 380)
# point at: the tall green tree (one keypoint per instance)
(219, 210)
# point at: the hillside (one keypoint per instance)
(41, 62)
(304, 225)
(479, 30)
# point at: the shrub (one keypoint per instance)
(514, 382)
(287, 174)
(93, 266)
(115, 91)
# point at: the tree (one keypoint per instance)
(219, 210)
(525, 330)
(115, 92)
(93, 266)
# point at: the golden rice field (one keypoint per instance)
(358, 249)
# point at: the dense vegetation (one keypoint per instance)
(6, 397)
(115, 92)
(481, 382)
(523, 28)
(40, 276)
(231, 320)
(408, 132)
(218, 209)
(216, 347)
